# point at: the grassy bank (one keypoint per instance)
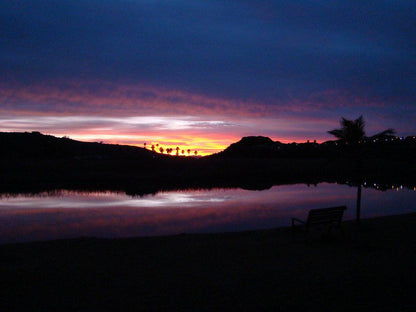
(370, 268)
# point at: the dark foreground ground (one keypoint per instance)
(370, 268)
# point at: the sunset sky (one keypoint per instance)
(202, 74)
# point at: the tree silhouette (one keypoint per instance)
(177, 151)
(161, 150)
(188, 151)
(351, 131)
(352, 134)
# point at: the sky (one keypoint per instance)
(202, 74)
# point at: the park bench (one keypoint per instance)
(322, 219)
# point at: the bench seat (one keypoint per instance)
(322, 218)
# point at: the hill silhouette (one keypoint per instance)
(264, 147)
(37, 145)
(252, 146)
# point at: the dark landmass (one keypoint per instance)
(394, 148)
(33, 162)
(369, 268)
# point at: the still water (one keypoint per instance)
(67, 214)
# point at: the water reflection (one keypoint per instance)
(68, 214)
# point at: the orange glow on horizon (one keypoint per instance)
(186, 139)
(203, 146)
(184, 133)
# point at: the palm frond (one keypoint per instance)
(384, 134)
(338, 133)
(353, 131)
(360, 123)
(346, 123)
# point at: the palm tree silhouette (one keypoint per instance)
(352, 134)
(351, 131)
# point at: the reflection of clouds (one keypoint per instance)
(81, 201)
(65, 200)
(188, 199)
(278, 195)
(116, 215)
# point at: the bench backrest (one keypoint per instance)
(326, 215)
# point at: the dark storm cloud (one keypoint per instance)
(268, 51)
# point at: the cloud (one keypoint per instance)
(100, 98)
(109, 98)
(246, 50)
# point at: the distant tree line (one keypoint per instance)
(169, 150)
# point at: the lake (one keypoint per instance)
(69, 214)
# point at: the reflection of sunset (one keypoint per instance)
(70, 214)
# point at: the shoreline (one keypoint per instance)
(348, 224)
(372, 266)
